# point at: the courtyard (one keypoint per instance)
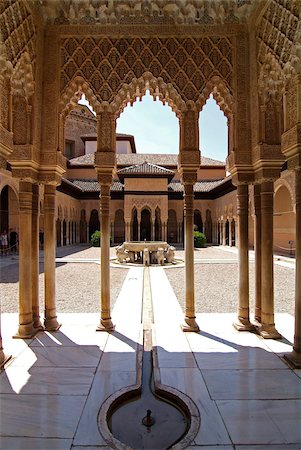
(246, 395)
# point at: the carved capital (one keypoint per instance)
(291, 141)
(267, 162)
(104, 179)
(53, 166)
(294, 163)
(189, 159)
(104, 161)
(188, 178)
(25, 173)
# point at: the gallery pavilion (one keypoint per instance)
(67, 172)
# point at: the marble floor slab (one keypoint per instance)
(190, 381)
(252, 384)
(262, 422)
(52, 416)
(22, 443)
(80, 356)
(46, 380)
(244, 358)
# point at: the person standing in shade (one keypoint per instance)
(13, 240)
(4, 243)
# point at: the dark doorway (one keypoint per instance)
(208, 226)
(4, 209)
(134, 225)
(158, 225)
(198, 222)
(119, 226)
(83, 227)
(172, 226)
(94, 224)
(145, 225)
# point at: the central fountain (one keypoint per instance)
(148, 415)
(146, 252)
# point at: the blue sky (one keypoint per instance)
(156, 128)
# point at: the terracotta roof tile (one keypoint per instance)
(146, 168)
(93, 185)
(131, 159)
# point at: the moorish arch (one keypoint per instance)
(284, 221)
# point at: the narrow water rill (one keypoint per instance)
(149, 415)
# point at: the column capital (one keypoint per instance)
(267, 162)
(104, 161)
(188, 177)
(52, 167)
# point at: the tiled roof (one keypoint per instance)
(200, 186)
(117, 186)
(145, 168)
(93, 185)
(131, 159)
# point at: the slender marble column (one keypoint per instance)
(224, 232)
(105, 317)
(153, 230)
(257, 248)
(295, 356)
(267, 328)
(242, 322)
(190, 323)
(127, 230)
(35, 258)
(26, 329)
(50, 321)
(230, 233)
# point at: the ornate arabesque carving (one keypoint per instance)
(157, 88)
(277, 29)
(107, 64)
(18, 30)
(145, 12)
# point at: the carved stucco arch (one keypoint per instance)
(221, 94)
(11, 184)
(73, 93)
(282, 182)
(137, 89)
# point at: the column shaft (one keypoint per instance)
(297, 339)
(230, 233)
(35, 258)
(294, 357)
(50, 321)
(26, 329)
(105, 319)
(267, 328)
(190, 323)
(242, 322)
(257, 248)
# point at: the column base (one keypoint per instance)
(293, 359)
(51, 324)
(268, 331)
(190, 325)
(241, 324)
(4, 358)
(26, 331)
(105, 325)
(37, 324)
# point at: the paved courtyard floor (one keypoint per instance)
(52, 389)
